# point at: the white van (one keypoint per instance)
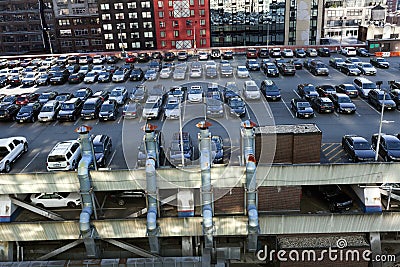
(251, 90)
(363, 86)
(64, 156)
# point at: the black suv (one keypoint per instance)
(59, 77)
(84, 93)
(29, 112)
(322, 105)
(70, 110)
(375, 97)
(91, 108)
(108, 110)
(122, 197)
(175, 151)
(389, 146)
(270, 90)
(8, 112)
(102, 145)
(358, 148)
(301, 108)
(335, 197)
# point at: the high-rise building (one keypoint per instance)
(21, 28)
(182, 24)
(127, 24)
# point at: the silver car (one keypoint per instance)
(151, 75)
(179, 74)
(119, 95)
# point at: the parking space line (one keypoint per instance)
(333, 150)
(29, 163)
(335, 155)
(112, 157)
(374, 109)
(97, 122)
(358, 114)
(12, 125)
(76, 122)
(55, 123)
(294, 91)
(336, 114)
(120, 118)
(327, 147)
(290, 112)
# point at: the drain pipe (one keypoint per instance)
(251, 183)
(206, 194)
(151, 143)
(87, 230)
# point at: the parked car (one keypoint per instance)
(251, 53)
(227, 55)
(389, 146)
(56, 200)
(91, 108)
(348, 51)
(362, 52)
(64, 156)
(99, 59)
(366, 68)
(8, 111)
(334, 196)
(30, 79)
(322, 105)
(350, 69)
(307, 91)
(263, 53)
(49, 111)
(395, 95)
(28, 112)
(102, 146)
(108, 111)
(104, 77)
(252, 65)
(59, 77)
(46, 96)
(11, 149)
(379, 98)
(131, 110)
(43, 79)
(287, 69)
(286, 52)
(270, 90)
(122, 197)
(24, 99)
(151, 75)
(137, 74)
(300, 53)
(301, 108)
(323, 52)
(380, 62)
(251, 90)
(311, 52)
(138, 94)
(64, 97)
(76, 78)
(120, 75)
(169, 56)
(237, 107)
(91, 77)
(84, 93)
(325, 90)
(242, 72)
(182, 55)
(358, 148)
(112, 59)
(130, 58)
(70, 110)
(175, 150)
(271, 70)
(195, 94)
(152, 107)
(217, 148)
(348, 89)
(318, 68)
(275, 52)
(336, 62)
(172, 110)
(119, 95)
(343, 103)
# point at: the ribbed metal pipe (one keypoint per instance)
(85, 226)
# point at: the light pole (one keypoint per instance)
(268, 26)
(119, 27)
(343, 20)
(379, 83)
(47, 29)
(181, 134)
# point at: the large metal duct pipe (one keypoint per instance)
(87, 230)
(251, 183)
(151, 144)
(206, 193)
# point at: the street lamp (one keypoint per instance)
(47, 29)
(379, 83)
(119, 27)
(343, 20)
(269, 23)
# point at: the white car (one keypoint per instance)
(366, 68)
(165, 73)
(196, 73)
(195, 94)
(11, 149)
(172, 108)
(91, 77)
(287, 52)
(56, 200)
(30, 78)
(179, 74)
(99, 59)
(64, 156)
(242, 72)
(119, 95)
(349, 51)
(49, 111)
(151, 109)
(203, 56)
(251, 90)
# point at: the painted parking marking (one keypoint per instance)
(29, 163)
(112, 157)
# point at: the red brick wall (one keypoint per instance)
(284, 198)
(306, 148)
(229, 201)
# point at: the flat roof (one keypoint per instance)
(290, 128)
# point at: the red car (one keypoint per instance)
(27, 98)
(130, 59)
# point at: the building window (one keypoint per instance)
(149, 44)
(63, 22)
(96, 42)
(148, 34)
(110, 46)
(81, 32)
(191, 2)
(77, 22)
(145, 4)
(107, 27)
(123, 35)
(135, 35)
(148, 24)
(202, 12)
(176, 33)
(108, 36)
(146, 15)
(163, 44)
(175, 23)
(65, 43)
(131, 5)
(202, 32)
(118, 6)
(203, 42)
(161, 14)
(160, 4)
(162, 24)
(104, 6)
(132, 15)
(64, 33)
(119, 16)
(170, 3)
(82, 42)
(201, 2)
(106, 17)
(134, 25)
(202, 22)
(78, 11)
(189, 32)
(192, 12)
(135, 44)
(162, 34)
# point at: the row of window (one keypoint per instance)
(134, 45)
(129, 5)
(119, 16)
(78, 21)
(68, 43)
(80, 32)
(160, 3)
(133, 35)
